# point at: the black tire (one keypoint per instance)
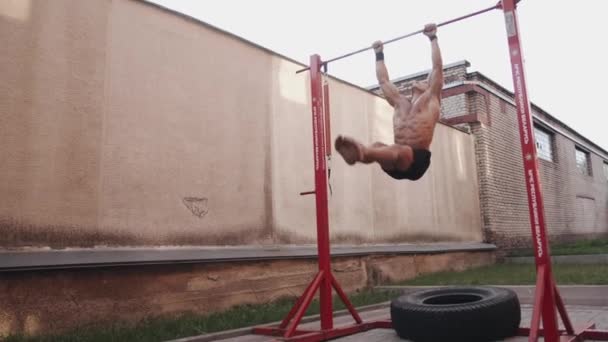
(463, 314)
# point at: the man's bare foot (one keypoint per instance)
(349, 149)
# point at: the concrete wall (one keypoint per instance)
(125, 124)
(95, 297)
(366, 205)
(117, 112)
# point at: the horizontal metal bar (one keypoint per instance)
(405, 36)
(307, 193)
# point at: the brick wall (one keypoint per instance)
(575, 204)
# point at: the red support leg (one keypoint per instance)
(539, 296)
(310, 288)
(549, 316)
(345, 300)
(598, 335)
(561, 308)
(307, 298)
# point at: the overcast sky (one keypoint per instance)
(564, 43)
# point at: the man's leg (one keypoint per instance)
(389, 157)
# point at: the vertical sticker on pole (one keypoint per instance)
(510, 23)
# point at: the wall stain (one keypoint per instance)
(21, 234)
(197, 205)
(18, 234)
(288, 237)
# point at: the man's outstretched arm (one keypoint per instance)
(390, 91)
(436, 76)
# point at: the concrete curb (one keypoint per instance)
(222, 335)
(564, 259)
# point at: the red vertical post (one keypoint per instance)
(535, 198)
(318, 133)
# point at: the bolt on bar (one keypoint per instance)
(498, 5)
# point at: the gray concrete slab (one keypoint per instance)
(33, 259)
(579, 314)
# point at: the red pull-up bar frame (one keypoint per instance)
(547, 297)
(324, 281)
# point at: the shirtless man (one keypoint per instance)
(413, 122)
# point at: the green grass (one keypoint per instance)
(516, 274)
(598, 246)
(161, 329)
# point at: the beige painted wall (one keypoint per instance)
(367, 205)
(113, 112)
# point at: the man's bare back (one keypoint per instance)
(414, 121)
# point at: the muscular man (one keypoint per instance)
(413, 122)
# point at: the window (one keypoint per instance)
(544, 143)
(606, 170)
(582, 162)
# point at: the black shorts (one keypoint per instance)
(422, 161)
